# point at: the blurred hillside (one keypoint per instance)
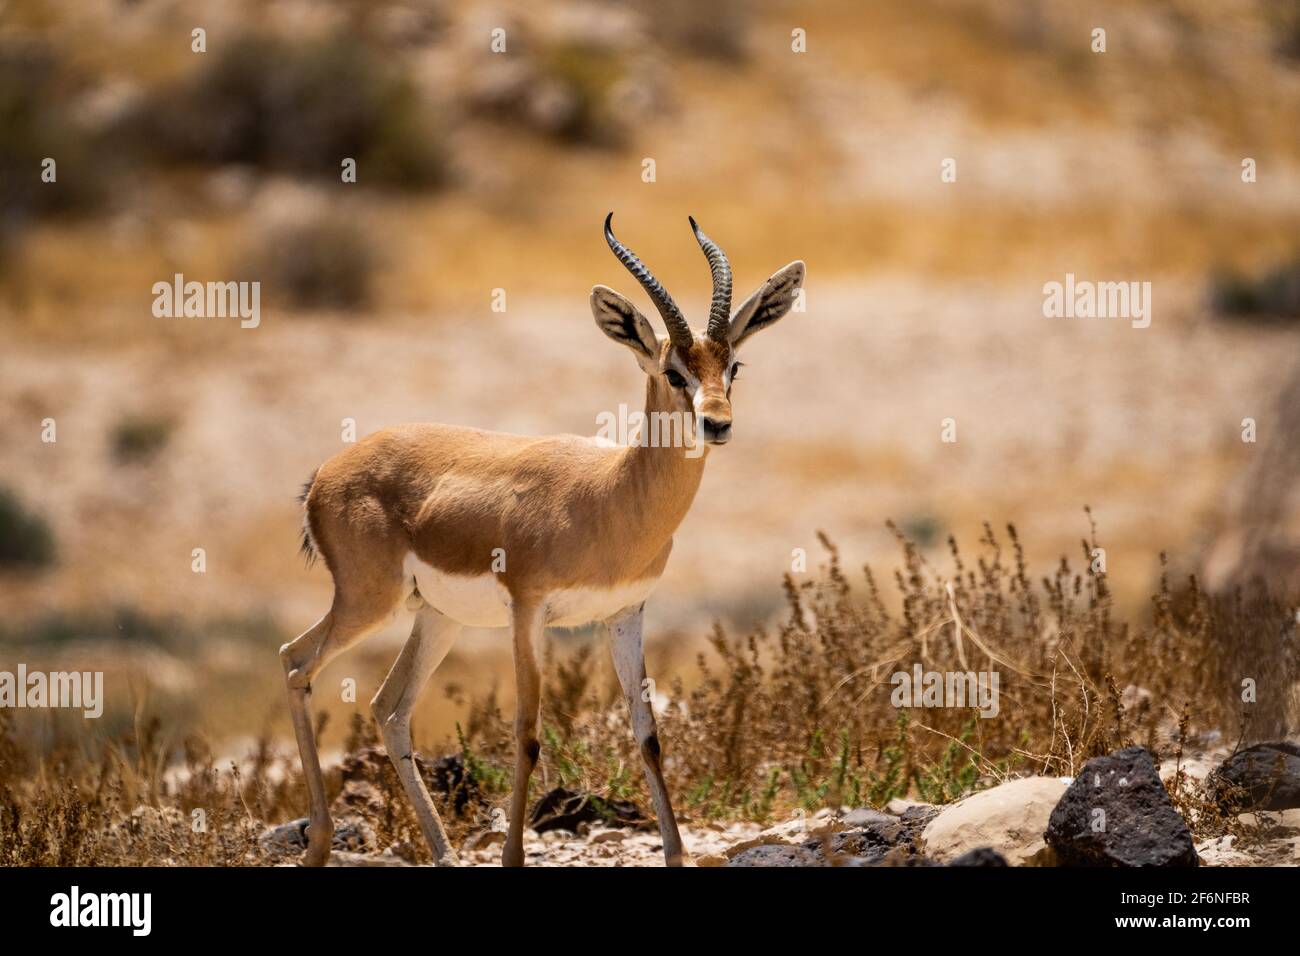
(479, 171)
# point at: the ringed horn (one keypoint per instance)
(720, 307)
(679, 331)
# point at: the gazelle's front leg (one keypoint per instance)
(527, 628)
(629, 662)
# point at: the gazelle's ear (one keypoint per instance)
(767, 305)
(619, 319)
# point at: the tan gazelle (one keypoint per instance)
(475, 528)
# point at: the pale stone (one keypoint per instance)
(1010, 818)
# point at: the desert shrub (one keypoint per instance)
(300, 107)
(563, 90)
(802, 715)
(715, 30)
(26, 541)
(583, 77)
(326, 260)
(1274, 295)
(796, 716)
(35, 96)
(140, 438)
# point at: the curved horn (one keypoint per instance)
(720, 308)
(678, 329)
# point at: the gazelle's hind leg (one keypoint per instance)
(430, 640)
(629, 662)
(347, 622)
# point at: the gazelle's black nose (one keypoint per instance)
(717, 431)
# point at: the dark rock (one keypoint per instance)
(873, 836)
(364, 774)
(349, 836)
(777, 855)
(984, 856)
(561, 809)
(1262, 777)
(918, 816)
(1118, 813)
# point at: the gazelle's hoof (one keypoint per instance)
(315, 857)
(512, 857)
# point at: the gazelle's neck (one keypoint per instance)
(658, 479)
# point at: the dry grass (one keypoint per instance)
(796, 717)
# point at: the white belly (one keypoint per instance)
(481, 600)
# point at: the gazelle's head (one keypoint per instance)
(693, 371)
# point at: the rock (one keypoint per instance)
(1221, 852)
(800, 830)
(561, 809)
(349, 836)
(1262, 777)
(363, 773)
(876, 839)
(866, 816)
(1273, 819)
(1118, 813)
(777, 855)
(405, 850)
(898, 806)
(364, 859)
(711, 859)
(484, 839)
(919, 814)
(1009, 818)
(984, 856)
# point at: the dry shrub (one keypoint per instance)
(799, 716)
(802, 715)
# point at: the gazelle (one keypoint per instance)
(423, 514)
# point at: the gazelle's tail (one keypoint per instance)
(307, 547)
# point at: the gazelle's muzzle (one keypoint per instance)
(715, 420)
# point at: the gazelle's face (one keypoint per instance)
(697, 382)
(691, 373)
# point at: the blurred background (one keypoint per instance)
(480, 171)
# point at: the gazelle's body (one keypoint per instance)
(485, 529)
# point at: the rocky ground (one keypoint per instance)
(1117, 812)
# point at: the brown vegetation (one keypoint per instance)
(798, 717)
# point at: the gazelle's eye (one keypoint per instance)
(735, 370)
(675, 379)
